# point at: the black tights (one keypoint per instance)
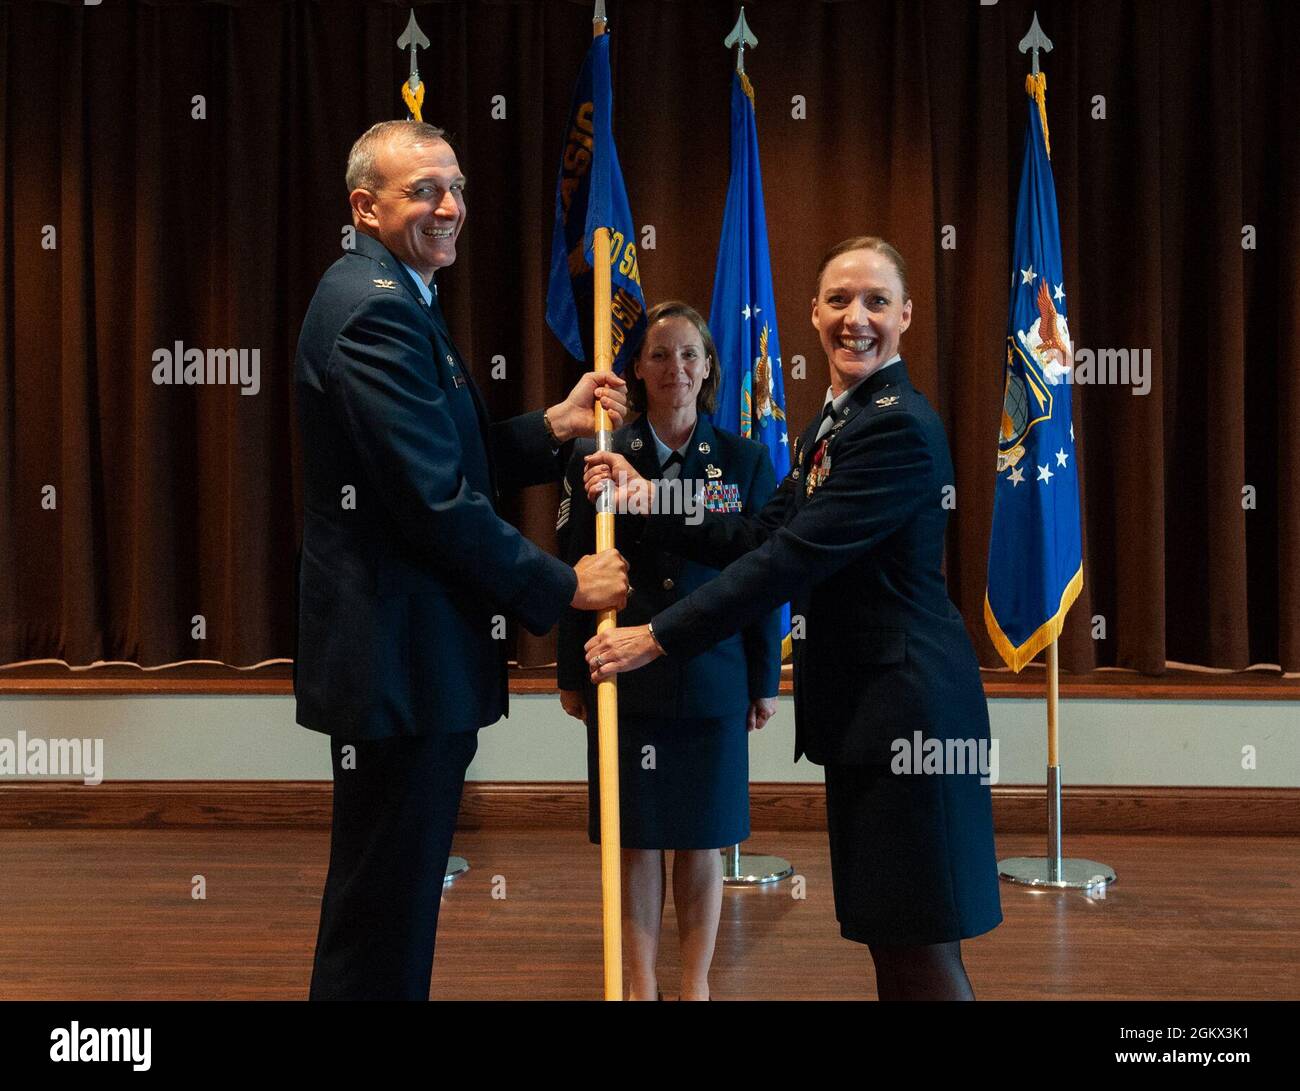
(930, 972)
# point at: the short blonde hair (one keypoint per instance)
(362, 172)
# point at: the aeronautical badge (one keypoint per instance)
(384, 282)
(712, 471)
(636, 444)
(885, 402)
(704, 448)
(820, 469)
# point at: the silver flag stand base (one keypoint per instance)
(738, 870)
(1070, 874)
(1052, 872)
(456, 865)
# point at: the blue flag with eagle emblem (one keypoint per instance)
(742, 315)
(1035, 548)
(589, 194)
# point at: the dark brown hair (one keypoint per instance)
(865, 242)
(675, 308)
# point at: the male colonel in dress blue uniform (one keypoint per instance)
(406, 565)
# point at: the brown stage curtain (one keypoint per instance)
(177, 501)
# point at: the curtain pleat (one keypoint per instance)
(171, 503)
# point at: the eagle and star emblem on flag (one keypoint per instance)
(756, 391)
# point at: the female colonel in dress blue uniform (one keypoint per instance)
(854, 537)
(683, 746)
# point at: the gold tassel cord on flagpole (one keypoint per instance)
(1036, 88)
(611, 839)
(748, 88)
(414, 100)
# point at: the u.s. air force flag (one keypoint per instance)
(742, 316)
(1035, 550)
(589, 194)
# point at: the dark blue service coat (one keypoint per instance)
(883, 651)
(406, 568)
(718, 680)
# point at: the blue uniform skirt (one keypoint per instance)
(912, 856)
(683, 784)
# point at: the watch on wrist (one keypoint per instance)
(550, 430)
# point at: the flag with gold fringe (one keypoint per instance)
(1035, 548)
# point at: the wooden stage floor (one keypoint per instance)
(109, 915)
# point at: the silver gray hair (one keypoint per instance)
(362, 173)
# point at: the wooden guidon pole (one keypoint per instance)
(611, 839)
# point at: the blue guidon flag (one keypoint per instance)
(1035, 548)
(589, 194)
(742, 315)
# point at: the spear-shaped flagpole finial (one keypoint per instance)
(413, 38)
(412, 90)
(1035, 40)
(599, 16)
(740, 37)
